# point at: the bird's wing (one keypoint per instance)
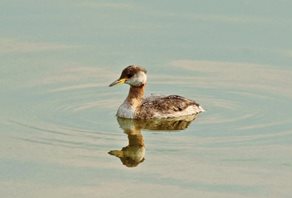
(165, 104)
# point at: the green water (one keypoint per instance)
(57, 118)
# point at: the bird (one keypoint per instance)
(136, 106)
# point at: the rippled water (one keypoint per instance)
(59, 133)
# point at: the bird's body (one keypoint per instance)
(137, 107)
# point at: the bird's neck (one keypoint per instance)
(135, 137)
(136, 95)
(136, 140)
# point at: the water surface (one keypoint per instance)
(58, 114)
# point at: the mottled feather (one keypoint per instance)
(164, 105)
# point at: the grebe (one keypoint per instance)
(137, 107)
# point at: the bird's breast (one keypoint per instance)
(126, 111)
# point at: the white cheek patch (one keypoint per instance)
(138, 79)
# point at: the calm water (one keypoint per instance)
(58, 114)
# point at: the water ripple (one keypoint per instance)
(245, 96)
(248, 98)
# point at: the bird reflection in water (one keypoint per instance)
(133, 154)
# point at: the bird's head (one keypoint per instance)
(132, 75)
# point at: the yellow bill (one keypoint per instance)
(119, 81)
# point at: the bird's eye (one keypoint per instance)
(130, 75)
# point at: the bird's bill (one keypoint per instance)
(119, 81)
